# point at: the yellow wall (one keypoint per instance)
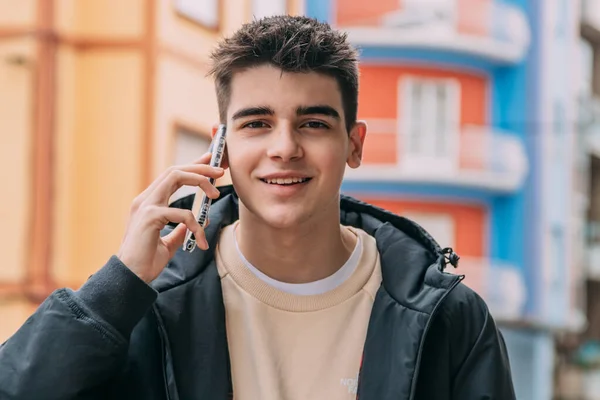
(65, 15)
(105, 18)
(183, 95)
(20, 13)
(106, 167)
(66, 172)
(176, 32)
(116, 18)
(101, 126)
(16, 110)
(98, 104)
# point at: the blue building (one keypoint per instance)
(471, 110)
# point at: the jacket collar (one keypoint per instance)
(410, 257)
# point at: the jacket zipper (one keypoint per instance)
(420, 351)
(163, 352)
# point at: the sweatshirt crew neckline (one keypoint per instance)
(230, 263)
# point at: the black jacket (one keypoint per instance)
(429, 336)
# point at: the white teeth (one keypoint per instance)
(285, 181)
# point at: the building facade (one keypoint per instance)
(578, 353)
(471, 108)
(96, 99)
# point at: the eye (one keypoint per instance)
(316, 125)
(255, 125)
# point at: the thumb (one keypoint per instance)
(175, 239)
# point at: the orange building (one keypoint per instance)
(439, 148)
(96, 98)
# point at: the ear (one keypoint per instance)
(225, 160)
(357, 139)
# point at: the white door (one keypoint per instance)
(429, 123)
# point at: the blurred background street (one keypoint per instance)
(484, 127)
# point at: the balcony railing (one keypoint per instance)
(486, 158)
(495, 30)
(593, 249)
(593, 261)
(589, 112)
(498, 153)
(589, 125)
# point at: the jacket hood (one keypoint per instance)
(411, 259)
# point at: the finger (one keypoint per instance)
(201, 241)
(179, 178)
(204, 159)
(198, 168)
(174, 240)
(164, 215)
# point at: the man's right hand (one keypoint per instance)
(143, 250)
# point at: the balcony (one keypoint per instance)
(589, 123)
(593, 262)
(479, 158)
(501, 285)
(492, 30)
(593, 250)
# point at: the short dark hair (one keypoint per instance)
(293, 44)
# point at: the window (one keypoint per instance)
(205, 12)
(586, 68)
(440, 226)
(429, 118)
(264, 8)
(188, 147)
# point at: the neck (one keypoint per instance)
(305, 253)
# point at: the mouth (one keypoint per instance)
(285, 181)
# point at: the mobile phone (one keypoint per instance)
(201, 208)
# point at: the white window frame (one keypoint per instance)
(447, 161)
(204, 12)
(190, 153)
(441, 226)
(265, 8)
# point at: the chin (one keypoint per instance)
(282, 217)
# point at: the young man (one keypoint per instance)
(296, 293)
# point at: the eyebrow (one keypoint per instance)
(302, 110)
(252, 111)
(318, 109)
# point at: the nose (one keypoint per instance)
(285, 145)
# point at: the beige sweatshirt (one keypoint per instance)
(286, 346)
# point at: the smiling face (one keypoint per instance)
(287, 145)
